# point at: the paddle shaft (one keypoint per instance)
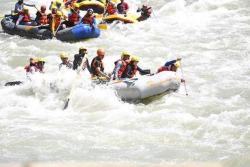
(182, 73)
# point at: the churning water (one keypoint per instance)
(211, 124)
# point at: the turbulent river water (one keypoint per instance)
(212, 123)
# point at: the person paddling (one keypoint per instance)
(89, 18)
(172, 65)
(41, 16)
(132, 68)
(32, 66)
(65, 61)
(24, 17)
(97, 67)
(120, 65)
(81, 62)
(146, 12)
(20, 5)
(110, 8)
(122, 7)
(40, 64)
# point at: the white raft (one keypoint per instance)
(146, 86)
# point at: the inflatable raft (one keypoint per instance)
(146, 86)
(75, 33)
(130, 18)
(97, 6)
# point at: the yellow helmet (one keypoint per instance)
(25, 9)
(53, 7)
(40, 59)
(58, 13)
(75, 5)
(124, 53)
(82, 48)
(63, 55)
(59, 2)
(177, 64)
(135, 58)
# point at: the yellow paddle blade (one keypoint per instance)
(115, 1)
(103, 26)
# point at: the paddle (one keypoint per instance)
(184, 81)
(13, 83)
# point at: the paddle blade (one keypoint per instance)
(14, 83)
(103, 26)
(66, 104)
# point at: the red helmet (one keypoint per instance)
(43, 8)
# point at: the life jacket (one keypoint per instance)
(164, 68)
(88, 19)
(74, 17)
(95, 64)
(26, 17)
(122, 68)
(43, 19)
(30, 68)
(110, 9)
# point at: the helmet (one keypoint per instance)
(100, 52)
(58, 13)
(58, 2)
(90, 10)
(124, 53)
(82, 48)
(43, 8)
(53, 7)
(63, 55)
(135, 58)
(76, 5)
(177, 64)
(25, 9)
(40, 59)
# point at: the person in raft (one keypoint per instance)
(89, 18)
(24, 17)
(132, 68)
(65, 61)
(97, 67)
(110, 8)
(41, 16)
(172, 65)
(120, 65)
(81, 61)
(20, 5)
(32, 66)
(122, 7)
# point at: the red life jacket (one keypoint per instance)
(43, 19)
(30, 68)
(122, 68)
(110, 9)
(26, 17)
(74, 17)
(88, 19)
(133, 72)
(164, 68)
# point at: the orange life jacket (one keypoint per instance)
(57, 21)
(88, 19)
(74, 17)
(110, 9)
(43, 19)
(26, 17)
